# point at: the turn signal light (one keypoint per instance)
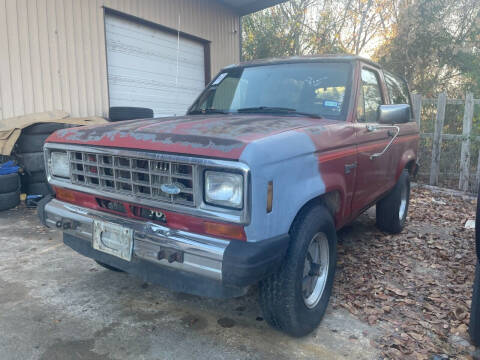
(64, 195)
(270, 197)
(228, 231)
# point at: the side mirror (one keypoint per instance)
(394, 114)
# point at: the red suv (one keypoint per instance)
(249, 187)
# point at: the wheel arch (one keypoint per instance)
(407, 161)
(331, 200)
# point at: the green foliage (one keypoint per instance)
(435, 45)
(275, 32)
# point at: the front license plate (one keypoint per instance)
(113, 239)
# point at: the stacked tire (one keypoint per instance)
(29, 155)
(122, 113)
(9, 191)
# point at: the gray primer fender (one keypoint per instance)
(289, 160)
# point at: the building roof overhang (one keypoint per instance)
(245, 7)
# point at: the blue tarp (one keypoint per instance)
(8, 168)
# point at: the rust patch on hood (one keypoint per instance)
(222, 136)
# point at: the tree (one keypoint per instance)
(275, 32)
(302, 27)
(435, 45)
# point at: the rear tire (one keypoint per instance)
(111, 268)
(391, 211)
(9, 200)
(294, 299)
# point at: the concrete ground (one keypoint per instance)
(56, 304)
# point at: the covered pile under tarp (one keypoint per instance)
(11, 128)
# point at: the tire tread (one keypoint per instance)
(279, 306)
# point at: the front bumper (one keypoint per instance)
(208, 266)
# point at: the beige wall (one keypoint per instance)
(52, 52)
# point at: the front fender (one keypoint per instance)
(290, 162)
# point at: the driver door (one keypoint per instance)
(373, 176)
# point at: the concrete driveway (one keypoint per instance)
(56, 304)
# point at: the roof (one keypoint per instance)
(309, 58)
(245, 7)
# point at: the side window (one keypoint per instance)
(397, 91)
(398, 94)
(370, 97)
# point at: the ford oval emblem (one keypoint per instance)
(170, 189)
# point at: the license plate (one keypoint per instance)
(113, 239)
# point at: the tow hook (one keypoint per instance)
(170, 255)
(66, 224)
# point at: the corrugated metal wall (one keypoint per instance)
(52, 52)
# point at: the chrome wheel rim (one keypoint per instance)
(403, 203)
(315, 270)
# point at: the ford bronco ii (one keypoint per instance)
(248, 188)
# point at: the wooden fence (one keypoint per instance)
(468, 173)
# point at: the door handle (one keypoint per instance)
(391, 128)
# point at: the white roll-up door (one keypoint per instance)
(143, 69)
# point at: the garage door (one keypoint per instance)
(143, 69)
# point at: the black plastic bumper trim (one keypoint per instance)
(246, 263)
(41, 209)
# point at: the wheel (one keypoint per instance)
(9, 183)
(39, 188)
(9, 200)
(295, 298)
(120, 113)
(45, 128)
(392, 210)
(108, 267)
(32, 162)
(30, 143)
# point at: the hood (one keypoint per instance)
(219, 136)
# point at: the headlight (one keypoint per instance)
(59, 165)
(224, 189)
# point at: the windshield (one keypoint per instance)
(317, 89)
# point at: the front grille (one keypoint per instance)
(133, 176)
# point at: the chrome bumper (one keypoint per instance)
(202, 255)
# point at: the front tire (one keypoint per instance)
(294, 299)
(392, 210)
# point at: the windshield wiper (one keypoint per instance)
(276, 110)
(207, 111)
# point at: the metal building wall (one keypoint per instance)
(52, 52)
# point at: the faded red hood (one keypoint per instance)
(221, 136)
